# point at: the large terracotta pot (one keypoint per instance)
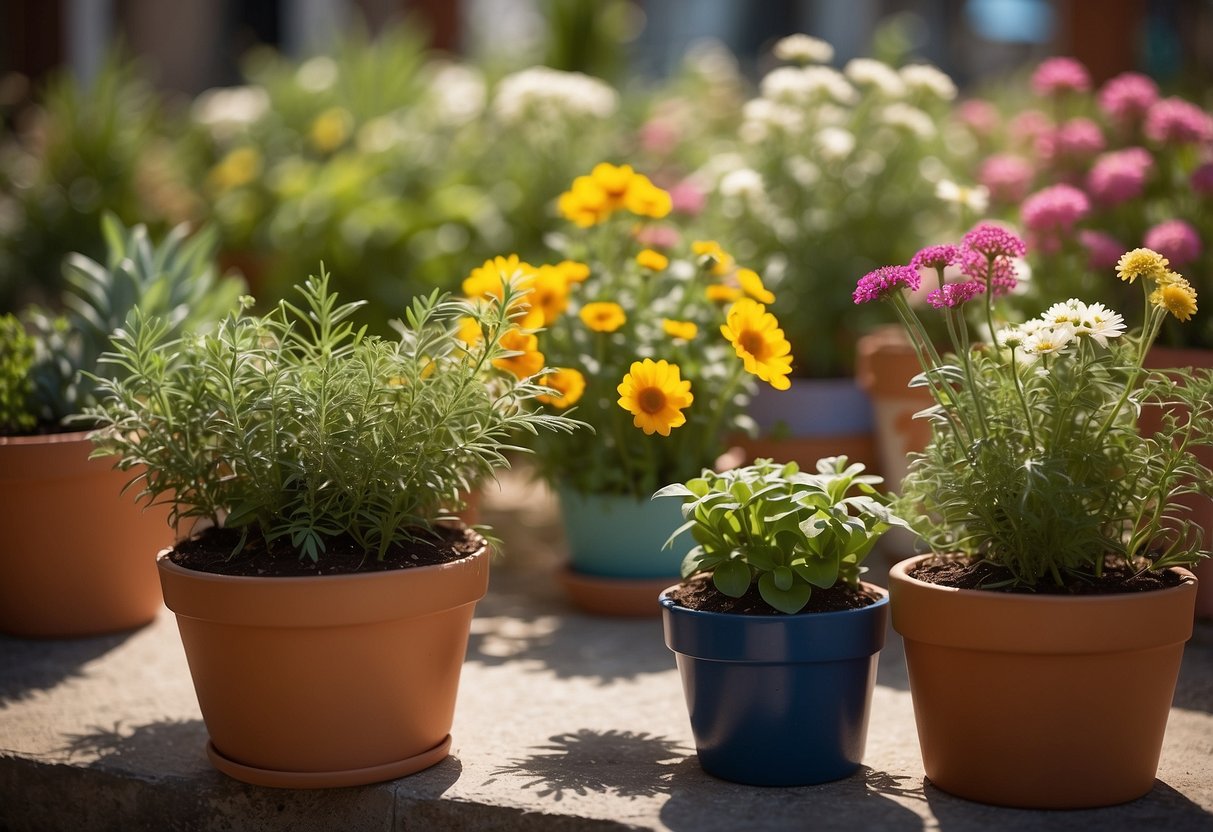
(1201, 509)
(815, 418)
(1021, 700)
(326, 681)
(77, 556)
(885, 362)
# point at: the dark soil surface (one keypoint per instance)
(211, 551)
(698, 593)
(964, 573)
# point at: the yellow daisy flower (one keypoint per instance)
(751, 284)
(330, 129)
(711, 255)
(1142, 262)
(573, 271)
(568, 385)
(759, 342)
(653, 260)
(645, 199)
(492, 275)
(603, 316)
(549, 293)
(684, 330)
(528, 360)
(655, 394)
(1177, 297)
(728, 294)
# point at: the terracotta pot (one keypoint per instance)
(326, 681)
(78, 556)
(885, 363)
(1021, 700)
(1201, 509)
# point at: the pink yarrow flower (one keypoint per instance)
(994, 241)
(954, 294)
(1103, 250)
(1176, 121)
(1175, 240)
(1006, 177)
(883, 282)
(1057, 76)
(1126, 98)
(1119, 176)
(936, 257)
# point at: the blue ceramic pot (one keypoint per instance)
(621, 537)
(778, 700)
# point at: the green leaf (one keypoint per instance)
(791, 600)
(732, 578)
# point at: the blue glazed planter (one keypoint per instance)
(778, 700)
(620, 537)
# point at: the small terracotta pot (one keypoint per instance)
(885, 362)
(78, 556)
(325, 681)
(1021, 700)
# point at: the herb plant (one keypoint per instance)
(1037, 463)
(298, 425)
(790, 530)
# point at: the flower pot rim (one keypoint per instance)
(668, 603)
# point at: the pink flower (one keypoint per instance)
(1126, 98)
(1202, 179)
(1007, 177)
(1079, 138)
(993, 241)
(1057, 76)
(687, 198)
(936, 257)
(997, 271)
(1175, 121)
(1175, 240)
(1119, 176)
(1028, 125)
(954, 294)
(1055, 209)
(883, 282)
(1103, 250)
(979, 116)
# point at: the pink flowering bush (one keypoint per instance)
(1036, 465)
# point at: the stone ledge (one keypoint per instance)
(564, 722)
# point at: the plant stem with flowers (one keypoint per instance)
(1037, 465)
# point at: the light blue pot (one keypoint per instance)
(622, 537)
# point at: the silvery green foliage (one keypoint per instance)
(175, 279)
(791, 530)
(298, 425)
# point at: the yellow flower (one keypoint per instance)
(685, 330)
(1177, 297)
(655, 394)
(568, 383)
(645, 199)
(574, 272)
(1142, 262)
(330, 129)
(489, 278)
(758, 340)
(653, 260)
(751, 284)
(712, 256)
(549, 293)
(528, 360)
(603, 316)
(728, 294)
(469, 331)
(239, 167)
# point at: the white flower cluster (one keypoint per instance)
(226, 111)
(1060, 328)
(803, 49)
(544, 94)
(928, 79)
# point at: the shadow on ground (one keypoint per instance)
(28, 666)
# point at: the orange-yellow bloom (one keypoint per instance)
(603, 316)
(655, 394)
(567, 385)
(759, 342)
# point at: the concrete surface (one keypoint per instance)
(565, 722)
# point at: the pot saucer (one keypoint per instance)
(328, 779)
(619, 597)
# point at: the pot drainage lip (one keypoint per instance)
(327, 779)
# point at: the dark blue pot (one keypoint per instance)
(778, 700)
